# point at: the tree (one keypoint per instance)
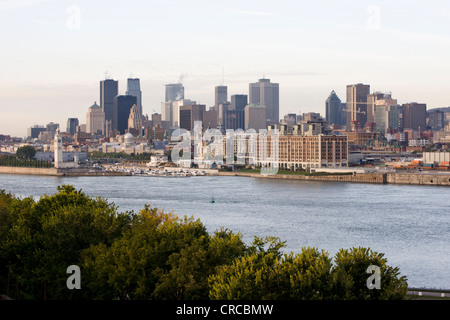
(251, 277)
(26, 152)
(310, 275)
(354, 263)
(191, 267)
(47, 236)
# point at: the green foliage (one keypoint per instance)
(157, 255)
(26, 152)
(354, 263)
(45, 237)
(310, 275)
(13, 161)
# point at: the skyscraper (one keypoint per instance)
(189, 114)
(34, 131)
(135, 120)
(255, 117)
(95, 119)
(52, 127)
(357, 104)
(386, 117)
(108, 90)
(239, 101)
(134, 89)
(221, 95)
(267, 94)
(72, 124)
(174, 92)
(414, 116)
(235, 117)
(122, 108)
(334, 110)
(373, 100)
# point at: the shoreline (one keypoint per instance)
(426, 179)
(399, 178)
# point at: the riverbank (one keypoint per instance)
(430, 179)
(75, 172)
(427, 179)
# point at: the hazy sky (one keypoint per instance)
(53, 53)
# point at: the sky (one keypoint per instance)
(54, 53)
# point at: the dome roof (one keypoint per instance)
(94, 106)
(128, 137)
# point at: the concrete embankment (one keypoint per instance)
(438, 179)
(430, 179)
(30, 171)
(427, 179)
(57, 172)
(376, 178)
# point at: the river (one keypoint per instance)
(409, 224)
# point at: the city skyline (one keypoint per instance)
(59, 51)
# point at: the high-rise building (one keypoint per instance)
(234, 117)
(166, 111)
(357, 104)
(108, 90)
(436, 120)
(189, 114)
(373, 100)
(34, 131)
(174, 92)
(95, 119)
(175, 105)
(239, 101)
(255, 117)
(122, 108)
(209, 119)
(135, 120)
(266, 93)
(221, 95)
(383, 111)
(72, 124)
(134, 89)
(414, 116)
(170, 110)
(334, 110)
(386, 117)
(52, 127)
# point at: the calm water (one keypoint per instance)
(410, 224)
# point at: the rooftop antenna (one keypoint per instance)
(223, 76)
(107, 75)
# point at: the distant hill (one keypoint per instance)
(447, 109)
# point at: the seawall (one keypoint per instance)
(430, 179)
(57, 172)
(427, 179)
(376, 178)
(30, 171)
